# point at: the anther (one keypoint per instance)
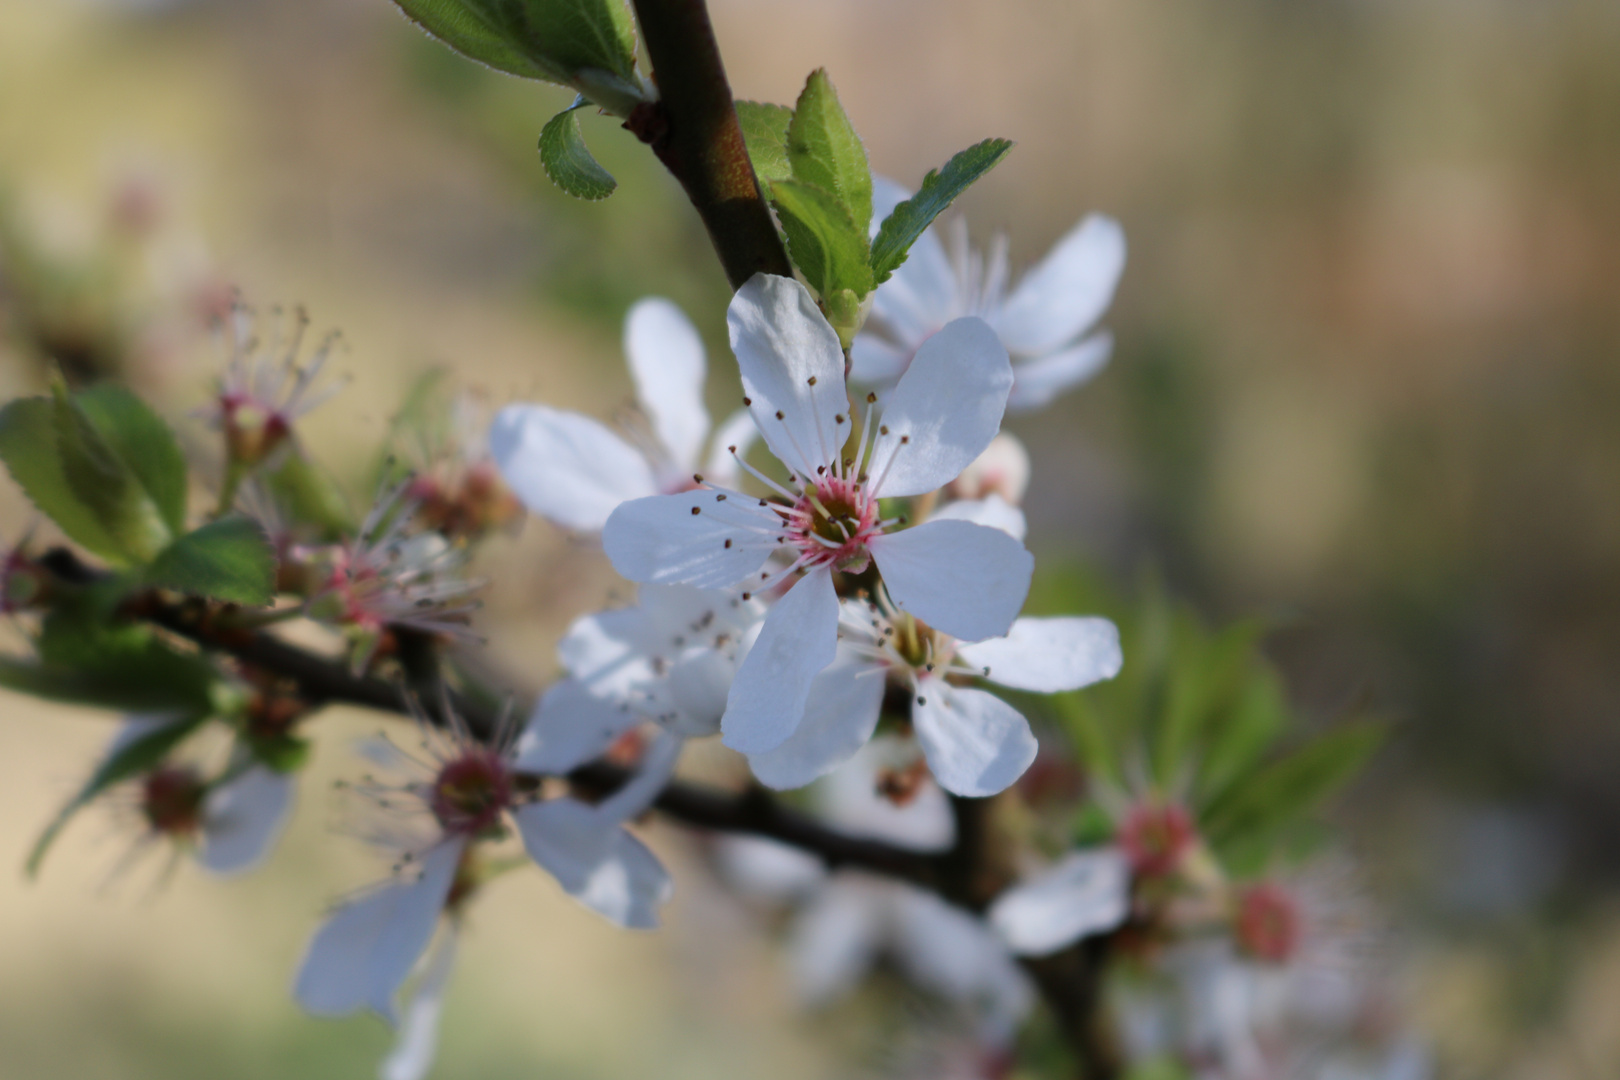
(720, 498)
(820, 469)
(812, 380)
(871, 398)
(728, 541)
(780, 415)
(694, 511)
(883, 429)
(987, 672)
(748, 596)
(748, 401)
(731, 449)
(904, 439)
(838, 418)
(697, 478)
(922, 701)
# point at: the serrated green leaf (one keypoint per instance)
(765, 129)
(228, 559)
(567, 160)
(101, 481)
(551, 40)
(821, 239)
(939, 189)
(825, 152)
(140, 754)
(1258, 715)
(28, 447)
(140, 438)
(1286, 789)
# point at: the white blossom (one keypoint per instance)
(464, 793)
(964, 578)
(1084, 893)
(574, 471)
(1043, 321)
(846, 921)
(975, 743)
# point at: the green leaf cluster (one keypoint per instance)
(812, 167)
(109, 472)
(1205, 719)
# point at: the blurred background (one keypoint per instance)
(1366, 385)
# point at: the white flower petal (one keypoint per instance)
(943, 412)
(1003, 468)
(1049, 655)
(834, 939)
(976, 743)
(736, 430)
(667, 363)
(1036, 382)
(798, 640)
(992, 511)
(595, 860)
(766, 870)
(946, 950)
(792, 365)
(242, 820)
(698, 686)
(566, 467)
(362, 954)
(876, 362)
(1067, 291)
(839, 717)
(662, 540)
(418, 1039)
(570, 726)
(965, 580)
(850, 802)
(1087, 892)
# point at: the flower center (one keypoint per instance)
(831, 523)
(1155, 837)
(1268, 923)
(171, 801)
(470, 791)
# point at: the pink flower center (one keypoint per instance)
(832, 522)
(1156, 836)
(1268, 923)
(470, 791)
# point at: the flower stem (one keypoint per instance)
(694, 131)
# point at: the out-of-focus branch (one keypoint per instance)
(694, 131)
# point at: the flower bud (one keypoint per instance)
(1003, 469)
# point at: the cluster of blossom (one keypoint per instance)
(836, 615)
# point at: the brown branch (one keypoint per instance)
(694, 131)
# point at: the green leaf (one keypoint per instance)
(144, 443)
(309, 496)
(1258, 715)
(825, 152)
(765, 132)
(551, 40)
(103, 482)
(821, 238)
(1276, 794)
(120, 664)
(1207, 672)
(228, 559)
(127, 759)
(28, 447)
(568, 162)
(939, 189)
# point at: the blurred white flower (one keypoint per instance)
(975, 743)
(1084, 893)
(1043, 322)
(463, 793)
(966, 579)
(846, 921)
(574, 471)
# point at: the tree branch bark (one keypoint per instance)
(694, 131)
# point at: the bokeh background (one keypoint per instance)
(1367, 384)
